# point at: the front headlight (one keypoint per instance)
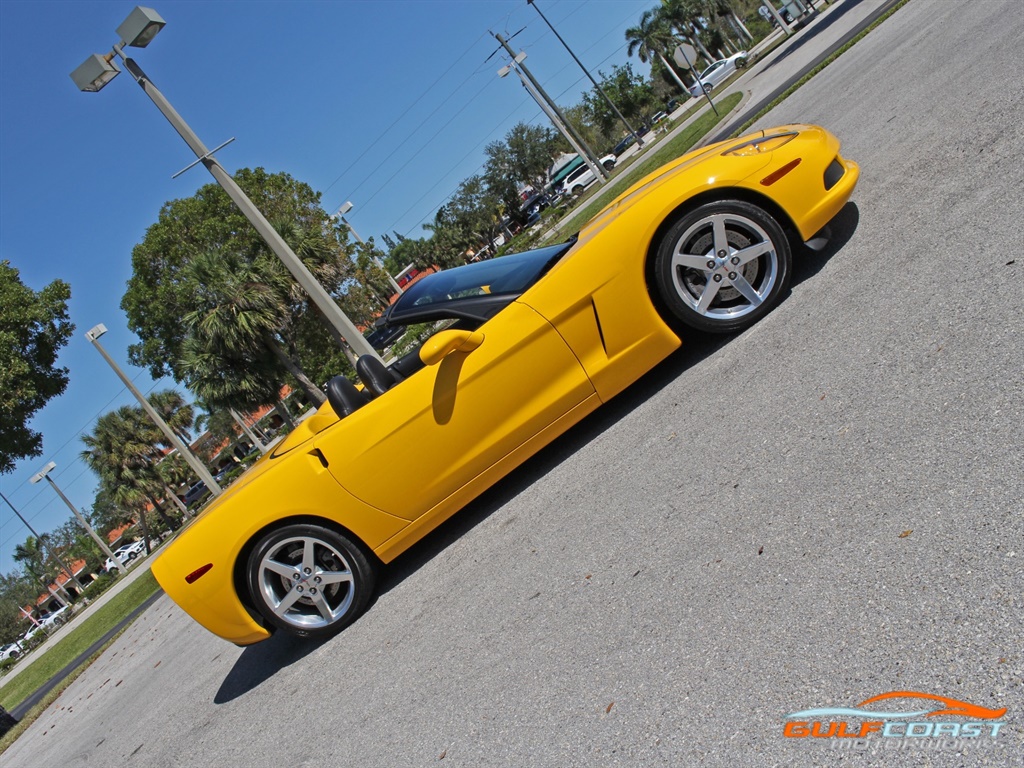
(765, 144)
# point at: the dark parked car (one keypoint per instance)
(195, 493)
(384, 336)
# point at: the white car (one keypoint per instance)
(126, 554)
(46, 624)
(51, 621)
(719, 72)
(10, 651)
(583, 177)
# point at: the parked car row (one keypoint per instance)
(584, 176)
(125, 554)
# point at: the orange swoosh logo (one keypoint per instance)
(952, 706)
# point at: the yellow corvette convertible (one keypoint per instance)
(528, 345)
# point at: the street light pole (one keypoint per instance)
(639, 141)
(93, 335)
(345, 208)
(138, 30)
(39, 538)
(44, 474)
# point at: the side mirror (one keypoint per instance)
(442, 344)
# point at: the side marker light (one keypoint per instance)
(771, 178)
(198, 573)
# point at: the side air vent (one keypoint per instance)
(833, 173)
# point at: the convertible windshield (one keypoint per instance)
(474, 290)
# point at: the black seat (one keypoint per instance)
(343, 396)
(375, 375)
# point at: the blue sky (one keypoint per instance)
(388, 104)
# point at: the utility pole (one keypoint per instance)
(588, 153)
(53, 552)
(546, 108)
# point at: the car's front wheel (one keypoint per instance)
(723, 266)
(309, 580)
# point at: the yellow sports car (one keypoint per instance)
(533, 343)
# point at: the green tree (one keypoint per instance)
(522, 158)
(124, 450)
(16, 590)
(106, 514)
(33, 327)
(33, 557)
(72, 542)
(416, 251)
(633, 95)
(166, 288)
(469, 221)
(651, 40)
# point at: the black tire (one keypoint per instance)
(577, 190)
(309, 580)
(724, 281)
(608, 164)
(708, 88)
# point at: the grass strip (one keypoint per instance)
(33, 714)
(78, 641)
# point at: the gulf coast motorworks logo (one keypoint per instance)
(932, 718)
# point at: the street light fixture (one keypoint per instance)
(95, 72)
(93, 335)
(141, 26)
(44, 474)
(342, 210)
(542, 98)
(556, 117)
(137, 31)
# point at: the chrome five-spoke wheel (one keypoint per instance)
(308, 579)
(723, 266)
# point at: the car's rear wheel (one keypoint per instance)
(723, 266)
(309, 580)
(578, 189)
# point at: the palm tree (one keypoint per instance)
(32, 556)
(176, 412)
(34, 559)
(244, 322)
(683, 15)
(650, 38)
(124, 449)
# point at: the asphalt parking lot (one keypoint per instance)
(820, 510)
